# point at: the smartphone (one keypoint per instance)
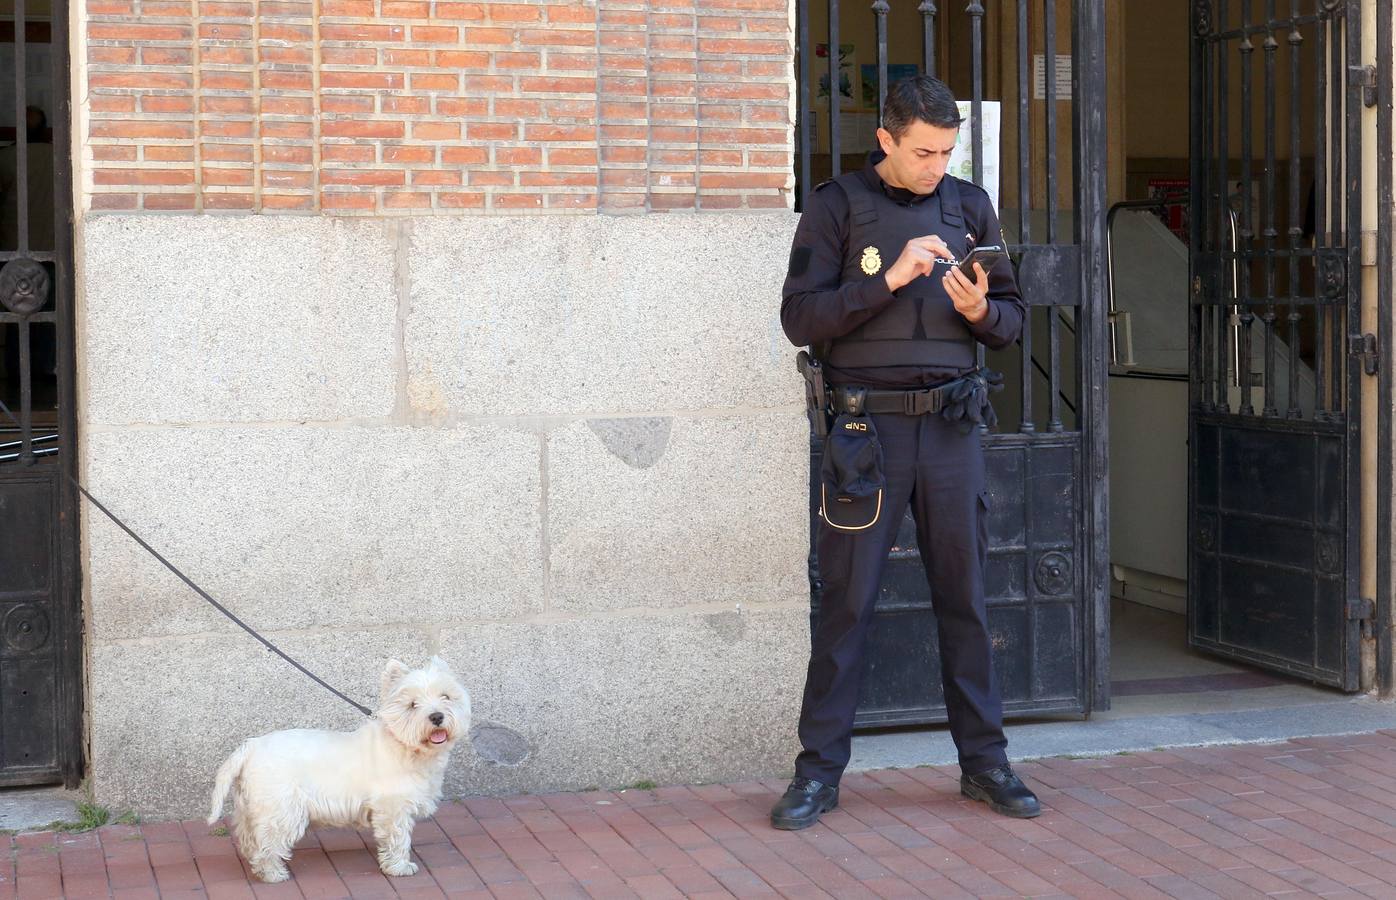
(987, 257)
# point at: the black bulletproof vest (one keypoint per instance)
(920, 327)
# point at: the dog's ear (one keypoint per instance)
(437, 664)
(392, 674)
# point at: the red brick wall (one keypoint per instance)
(417, 106)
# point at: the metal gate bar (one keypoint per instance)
(1336, 200)
(1268, 213)
(1295, 231)
(835, 148)
(1027, 422)
(1350, 302)
(1320, 212)
(1386, 206)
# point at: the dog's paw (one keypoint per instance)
(272, 874)
(399, 869)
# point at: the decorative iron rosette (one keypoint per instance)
(26, 628)
(24, 286)
(1053, 573)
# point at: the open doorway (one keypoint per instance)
(1257, 352)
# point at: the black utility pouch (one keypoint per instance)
(851, 476)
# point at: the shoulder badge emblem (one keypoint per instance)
(871, 262)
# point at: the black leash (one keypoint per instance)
(198, 590)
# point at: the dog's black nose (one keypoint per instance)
(436, 718)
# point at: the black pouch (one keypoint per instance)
(851, 476)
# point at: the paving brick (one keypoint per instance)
(130, 875)
(892, 887)
(457, 879)
(149, 893)
(84, 887)
(213, 869)
(177, 876)
(523, 847)
(654, 886)
(163, 832)
(980, 884)
(1182, 888)
(497, 871)
(691, 879)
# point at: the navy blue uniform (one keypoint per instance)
(836, 300)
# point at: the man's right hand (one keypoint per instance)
(917, 259)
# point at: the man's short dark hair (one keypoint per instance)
(919, 98)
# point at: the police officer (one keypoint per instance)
(873, 291)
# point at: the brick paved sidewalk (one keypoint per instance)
(1307, 817)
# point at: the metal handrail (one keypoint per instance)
(1235, 319)
(35, 451)
(43, 438)
(1113, 315)
(11, 457)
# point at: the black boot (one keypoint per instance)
(802, 804)
(1003, 791)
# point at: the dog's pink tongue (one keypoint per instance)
(438, 736)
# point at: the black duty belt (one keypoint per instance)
(927, 401)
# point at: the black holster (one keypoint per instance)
(816, 393)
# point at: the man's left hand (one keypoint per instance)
(970, 297)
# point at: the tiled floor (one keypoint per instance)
(1154, 672)
(1303, 818)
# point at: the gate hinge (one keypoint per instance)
(1364, 77)
(1364, 346)
(1361, 609)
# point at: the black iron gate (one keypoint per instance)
(1048, 562)
(1277, 351)
(40, 607)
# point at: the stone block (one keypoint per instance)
(306, 527)
(229, 319)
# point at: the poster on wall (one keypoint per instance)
(895, 72)
(1173, 194)
(962, 160)
(847, 72)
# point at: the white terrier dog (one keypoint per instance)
(381, 776)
